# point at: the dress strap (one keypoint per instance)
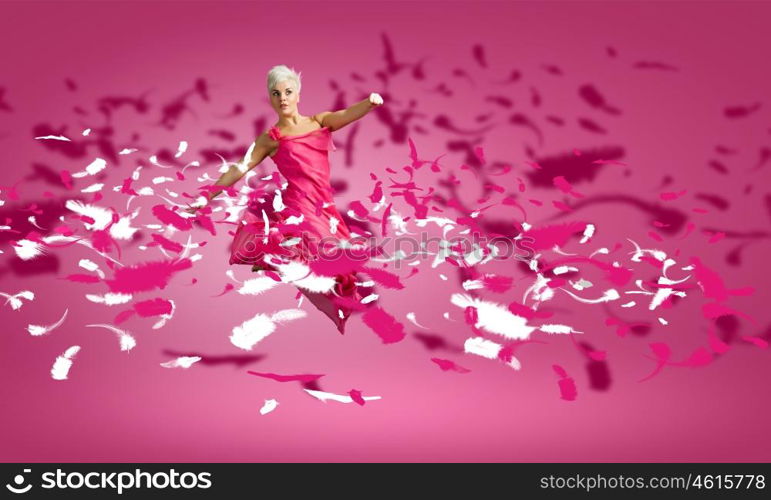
(274, 133)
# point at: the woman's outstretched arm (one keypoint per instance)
(262, 148)
(338, 119)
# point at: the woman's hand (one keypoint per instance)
(375, 100)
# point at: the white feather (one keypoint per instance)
(27, 249)
(554, 328)
(54, 137)
(473, 285)
(122, 230)
(80, 241)
(287, 315)
(110, 299)
(251, 331)
(127, 342)
(102, 217)
(257, 286)
(93, 188)
(495, 318)
(181, 362)
(411, 317)
(269, 406)
(33, 221)
(63, 363)
(607, 296)
(482, 347)
(181, 149)
(588, 233)
(300, 275)
(340, 398)
(15, 300)
(165, 317)
(37, 330)
(278, 202)
(96, 166)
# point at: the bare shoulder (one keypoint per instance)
(319, 117)
(265, 141)
(264, 146)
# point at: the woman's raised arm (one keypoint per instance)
(335, 120)
(259, 151)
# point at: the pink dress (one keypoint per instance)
(303, 160)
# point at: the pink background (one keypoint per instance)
(119, 406)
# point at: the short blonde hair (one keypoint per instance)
(282, 73)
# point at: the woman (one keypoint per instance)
(302, 215)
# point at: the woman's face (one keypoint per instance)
(284, 98)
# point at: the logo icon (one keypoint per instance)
(19, 481)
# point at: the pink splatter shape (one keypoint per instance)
(166, 216)
(711, 283)
(714, 310)
(668, 196)
(563, 185)
(556, 282)
(688, 230)
(65, 230)
(147, 276)
(384, 220)
(384, 325)
(698, 357)
(123, 316)
(83, 278)
(497, 283)
(336, 262)
(103, 242)
(166, 243)
(66, 178)
(480, 154)
(470, 315)
(205, 222)
(447, 365)
(307, 378)
(621, 328)
(510, 201)
(377, 192)
(662, 353)
(153, 307)
(567, 385)
(527, 312)
(126, 187)
(385, 278)
(716, 237)
(358, 209)
(756, 341)
(228, 287)
(356, 396)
